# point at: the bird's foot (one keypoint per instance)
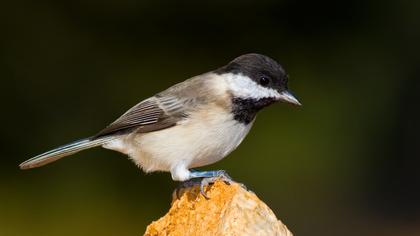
(187, 184)
(205, 182)
(204, 179)
(210, 177)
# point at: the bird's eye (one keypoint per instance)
(264, 81)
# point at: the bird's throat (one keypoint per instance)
(245, 110)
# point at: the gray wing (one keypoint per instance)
(163, 110)
(155, 113)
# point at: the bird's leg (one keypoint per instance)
(204, 179)
(192, 177)
(209, 177)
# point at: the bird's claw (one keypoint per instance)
(204, 179)
(221, 175)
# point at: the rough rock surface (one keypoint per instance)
(231, 210)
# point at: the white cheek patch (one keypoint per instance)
(244, 87)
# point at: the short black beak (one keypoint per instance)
(288, 97)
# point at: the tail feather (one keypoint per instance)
(63, 151)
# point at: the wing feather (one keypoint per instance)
(152, 114)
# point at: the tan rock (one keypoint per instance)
(231, 210)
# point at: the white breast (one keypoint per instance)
(202, 139)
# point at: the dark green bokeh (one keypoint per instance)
(346, 163)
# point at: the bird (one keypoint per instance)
(191, 124)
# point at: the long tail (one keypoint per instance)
(63, 151)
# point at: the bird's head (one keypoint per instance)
(258, 78)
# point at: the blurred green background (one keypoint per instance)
(346, 163)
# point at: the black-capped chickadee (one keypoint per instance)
(191, 124)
